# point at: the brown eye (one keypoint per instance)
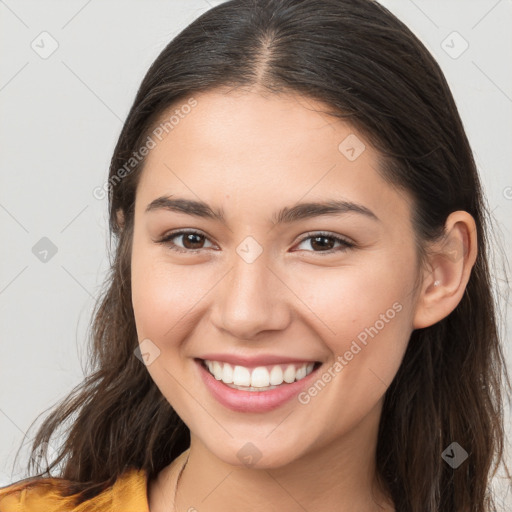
(322, 242)
(325, 242)
(190, 240)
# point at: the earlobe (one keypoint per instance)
(450, 263)
(120, 218)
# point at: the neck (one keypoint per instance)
(336, 476)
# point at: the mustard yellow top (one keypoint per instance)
(128, 494)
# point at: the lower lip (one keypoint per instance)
(252, 401)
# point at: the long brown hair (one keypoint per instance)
(368, 68)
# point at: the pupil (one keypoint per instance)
(328, 245)
(194, 238)
(189, 239)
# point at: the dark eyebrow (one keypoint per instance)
(286, 215)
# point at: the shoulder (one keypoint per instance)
(28, 494)
(128, 494)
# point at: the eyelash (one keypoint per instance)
(345, 243)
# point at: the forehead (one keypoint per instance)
(242, 121)
(260, 149)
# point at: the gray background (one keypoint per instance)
(60, 118)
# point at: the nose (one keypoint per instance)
(251, 298)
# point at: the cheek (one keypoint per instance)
(166, 301)
(344, 301)
(364, 314)
(165, 297)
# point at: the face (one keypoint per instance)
(266, 282)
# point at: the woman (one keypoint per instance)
(299, 314)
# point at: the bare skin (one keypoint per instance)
(251, 155)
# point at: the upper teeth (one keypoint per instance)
(259, 377)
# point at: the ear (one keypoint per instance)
(120, 218)
(449, 266)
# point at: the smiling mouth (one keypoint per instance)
(259, 378)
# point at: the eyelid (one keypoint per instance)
(165, 239)
(346, 243)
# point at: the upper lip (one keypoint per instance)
(259, 360)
